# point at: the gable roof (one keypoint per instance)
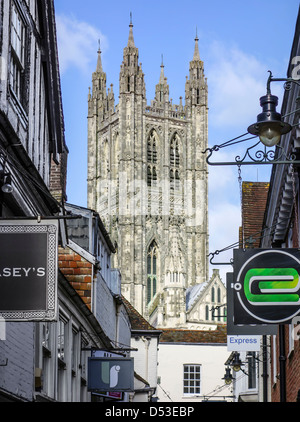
(194, 293)
(138, 322)
(218, 336)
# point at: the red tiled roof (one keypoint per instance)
(194, 336)
(137, 321)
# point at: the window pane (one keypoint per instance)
(154, 265)
(149, 289)
(61, 340)
(17, 52)
(149, 265)
(191, 379)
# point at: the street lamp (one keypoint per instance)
(236, 363)
(228, 376)
(5, 180)
(269, 126)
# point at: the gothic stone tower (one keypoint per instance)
(147, 178)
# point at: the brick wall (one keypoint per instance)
(253, 209)
(58, 178)
(292, 370)
(78, 271)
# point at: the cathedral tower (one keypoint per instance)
(147, 178)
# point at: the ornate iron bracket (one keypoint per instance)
(265, 156)
(215, 308)
(253, 156)
(218, 263)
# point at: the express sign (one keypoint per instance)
(266, 285)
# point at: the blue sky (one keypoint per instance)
(239, 41)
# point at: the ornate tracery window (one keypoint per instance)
(174, 163)
(151, 271)
(152, 159)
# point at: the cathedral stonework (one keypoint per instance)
(148, 180)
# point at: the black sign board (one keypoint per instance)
(266, 286)
(243, 329)
(28, 270)
(110, 374)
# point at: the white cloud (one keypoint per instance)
(78, 44)
(224, 223)
(236, 82)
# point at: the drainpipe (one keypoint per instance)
(282, 360)
(265, 369)
(147, 343)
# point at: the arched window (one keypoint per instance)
(149, 176)
(151, 271)
(213, 294)
(219, 295)
(174, 163)
(206, 313)
(225, 313)
(152, 159)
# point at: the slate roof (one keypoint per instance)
(193, 293)
(218, 336)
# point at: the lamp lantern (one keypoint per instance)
(269, 126)
(227, 376)
(7, 186)
(236, 362)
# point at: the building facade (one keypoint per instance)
(32, 147)
(281, 228)
(191, 366)
(147, 178)
(46, 359)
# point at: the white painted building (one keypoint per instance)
(144, 344)
(191, 366)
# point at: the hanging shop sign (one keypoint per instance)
(28, 270)
(243, 329)
(243, 343)
(110, 374)
(266, 285)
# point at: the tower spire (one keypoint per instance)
(162, 75)
(130, 38)
(99, 62)
(196, 51)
